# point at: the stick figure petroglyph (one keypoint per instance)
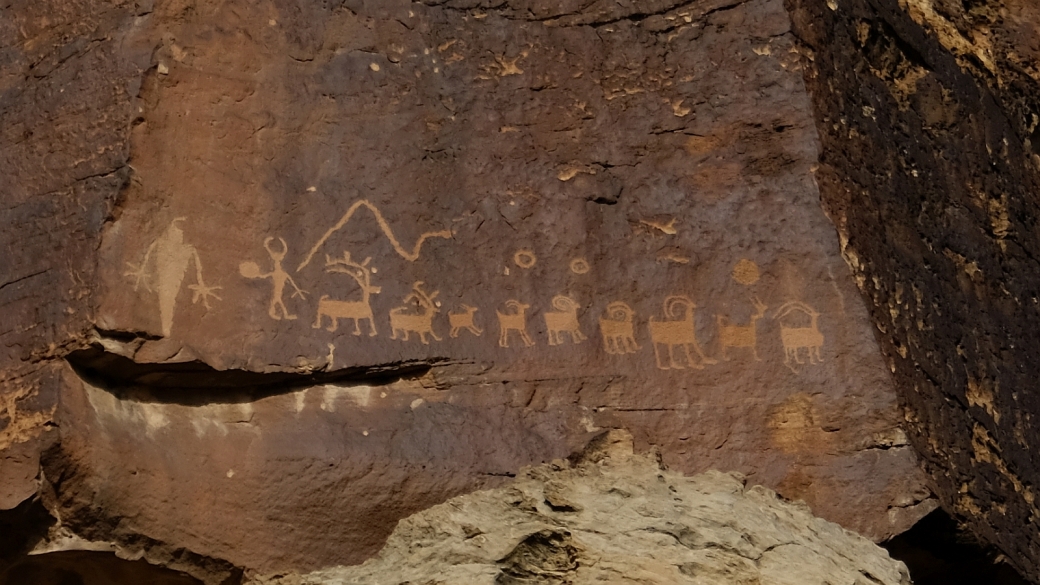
(279, 277)
(563, 320)
(681, 332)
(515, 321)
(463, 320)
(617, 329)
(171, 256)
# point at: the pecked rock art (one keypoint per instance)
(618, 329)
(357, 311)
(169, 257)
(561, 171)
(279, 278)
(403, 321)
(410, 255)
(677, 330)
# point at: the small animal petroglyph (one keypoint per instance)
(679, 330)
(279, 278)
(463, 320)
(356, 310)
(515, 321)
(563, 320)
(171, 257)
(617, 329)
(421, 323)
(795, 339)
(731, 335)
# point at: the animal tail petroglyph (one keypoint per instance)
(411, 256)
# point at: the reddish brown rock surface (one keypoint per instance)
(928, 119)
(247, 180)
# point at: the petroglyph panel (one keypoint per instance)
(540, 238)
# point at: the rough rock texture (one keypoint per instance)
(618, 518)
(283, 274)
(928, 117)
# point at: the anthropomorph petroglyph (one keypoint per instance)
(463, 320)
(409, 255)
(171, 256)
(679, 331)
(617, 329)
(515, 321)
(798, 336)
(279, 278)
(731, 335)
(421, 323)
(563, 320)
(356, 310)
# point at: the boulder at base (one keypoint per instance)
(614, 517)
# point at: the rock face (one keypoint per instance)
(927, 114)
(290, 273)
(617, 518)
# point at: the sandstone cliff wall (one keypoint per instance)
(284, 274)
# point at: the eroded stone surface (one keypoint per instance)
(635, 179)
(928, 117)
(618, 518)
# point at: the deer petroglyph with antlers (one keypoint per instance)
(356, 310)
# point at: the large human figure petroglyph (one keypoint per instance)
(279, 278)
(171, 256)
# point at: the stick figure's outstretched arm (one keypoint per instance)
(199, 289)
(301, 293)
(138, 272)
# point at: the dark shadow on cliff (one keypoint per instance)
(90, 568)
(939, 552)
(195, 383)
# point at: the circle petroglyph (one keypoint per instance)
(579, 266)
(525, 258)
(746, 272)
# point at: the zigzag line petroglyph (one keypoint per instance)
(383, 225)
